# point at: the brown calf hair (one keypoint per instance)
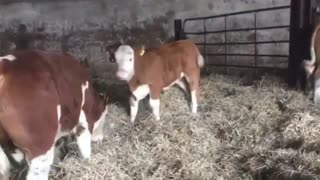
(31, 88)
(159, 67)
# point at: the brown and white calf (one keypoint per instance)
(45, 96)
(150, 72)
(312, 67)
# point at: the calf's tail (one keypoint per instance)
(200, 61)
(200, 58)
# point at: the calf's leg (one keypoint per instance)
(83, 137)
(139, 93)
(155, 106)
(83, 133)
(154, 101)
(193, 80)
(39, 167)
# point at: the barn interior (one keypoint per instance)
(256, 117)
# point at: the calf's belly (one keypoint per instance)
(174, 82)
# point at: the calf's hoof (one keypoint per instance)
(132, 120)
(194, 109)
(157, 118)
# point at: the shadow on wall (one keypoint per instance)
(21, 39)
(93, 47)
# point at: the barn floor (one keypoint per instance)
(261, 131)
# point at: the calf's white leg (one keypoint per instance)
(39, 167)
(139, 93)
(84, 137)
(194, 102)
(155, 106)
(134, 104)
(193, 80)
(154, 101)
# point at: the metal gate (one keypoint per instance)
(181, 33)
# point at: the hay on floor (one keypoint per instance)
(260, 131)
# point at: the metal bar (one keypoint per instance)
(225, 41)
(177, 29)
(255, 41)
(225, 44)
(244, 43)
(243, 66)
(205, 41)
(258, 55)
(294, 44)
(236, 13)
(240, 29)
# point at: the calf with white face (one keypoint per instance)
(125, 59)
(150, 72)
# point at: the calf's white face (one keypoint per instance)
(124, 57)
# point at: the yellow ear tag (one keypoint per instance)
(142, 51)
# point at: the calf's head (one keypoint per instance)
(313, 75)
(124, 57)
(111, 50)
(97, 114)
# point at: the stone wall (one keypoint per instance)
(85, 28)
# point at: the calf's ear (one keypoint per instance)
(106, 97)
(142, 50)
(111, 49)
(85, 63)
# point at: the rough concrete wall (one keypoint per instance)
(85, 27)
